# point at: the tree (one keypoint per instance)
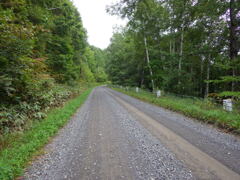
(41, 41)
(188, 43)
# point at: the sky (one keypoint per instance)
(98, 23)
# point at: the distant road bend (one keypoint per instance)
(114, 136)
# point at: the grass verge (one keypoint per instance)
(200, 110)
(14, 159)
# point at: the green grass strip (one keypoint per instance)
(13, 160)
(197, 109)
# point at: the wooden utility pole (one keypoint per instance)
(148, 62)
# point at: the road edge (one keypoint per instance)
(213, 123)
(15, 159)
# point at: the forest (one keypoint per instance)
(186, 47)
(186, 50)
(44, 54)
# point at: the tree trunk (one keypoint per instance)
(208, 77)
(181, 57)
(142, 79)
(148, 62)
(173, 48)
(170, 47)
(233, 49)
(201, 79)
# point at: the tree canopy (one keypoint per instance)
(43, 42)
(181, 46)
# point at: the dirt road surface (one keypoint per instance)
(114, 136)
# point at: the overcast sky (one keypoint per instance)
(98, 23)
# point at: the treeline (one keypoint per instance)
(181, 46)
(42, 44)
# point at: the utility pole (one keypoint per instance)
(148, 62)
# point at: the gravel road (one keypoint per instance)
(114, 136)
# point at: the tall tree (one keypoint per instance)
(188, 43)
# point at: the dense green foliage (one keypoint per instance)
(45, 60)
(205, 111)
(42, 44)
(181, 46)
(14, 158)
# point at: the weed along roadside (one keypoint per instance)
(15, 157)
(229, 121)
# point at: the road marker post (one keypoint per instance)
(137, 89)
(227, 105)
(158, 93)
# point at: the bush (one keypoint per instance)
(14, 117)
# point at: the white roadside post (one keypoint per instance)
(137, 90)
(227, 105)
(158, 93)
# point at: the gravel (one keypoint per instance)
(61, 150)
(148, 156)
(104, 141)
(220, 145)
(77, 151)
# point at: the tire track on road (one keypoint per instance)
(202, 165)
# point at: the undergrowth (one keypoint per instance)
(15, 116)
(25, 144)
